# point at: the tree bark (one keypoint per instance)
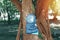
(27, 9)
(19, 7)
(17, 4)
(42, 18)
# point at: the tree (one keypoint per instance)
(27, 9)
(53, 6)
(10, 9)
(0, 4)
(19, 7)
(42, 18)
(0, 8)
(7, 9)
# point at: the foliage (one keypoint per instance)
(9, 8)
(0, 4)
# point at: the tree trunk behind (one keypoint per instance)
(42, 18)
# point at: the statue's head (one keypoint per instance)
(31, 18)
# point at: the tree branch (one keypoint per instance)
(19, 7)
(17, 4)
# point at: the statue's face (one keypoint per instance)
(31, 27)
(30, 18)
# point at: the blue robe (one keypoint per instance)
(31, 27)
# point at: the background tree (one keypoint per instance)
(54, 9)
(27, 8)
(10, 9)
(19, 7)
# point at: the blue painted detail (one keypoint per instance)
(31, 28)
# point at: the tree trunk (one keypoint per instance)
(42, 18)
(19, 7)
(27, 9)
(9, 18)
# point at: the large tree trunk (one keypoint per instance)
(42, 18)
(27, 9)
